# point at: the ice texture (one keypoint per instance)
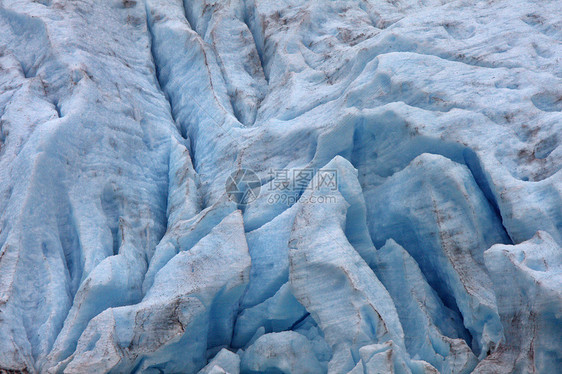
(437, 247)
(528, 274)
(432, 331)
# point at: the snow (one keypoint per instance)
(438, 250)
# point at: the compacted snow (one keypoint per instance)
(398, 163)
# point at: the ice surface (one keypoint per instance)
(285, 352)
(528, 283)
(436, 211)
(189, 309)
(224, 362)
(438, 250)
(432, 331)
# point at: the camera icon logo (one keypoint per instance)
(243, 186)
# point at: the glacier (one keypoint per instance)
(405, 211)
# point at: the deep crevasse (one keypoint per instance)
(437, 249)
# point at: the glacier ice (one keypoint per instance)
(224, 362)
(432, 331)
(183, 314)
(438, 249)
(531, 273)
(333, 282)
(285, 352)
(447, 239)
